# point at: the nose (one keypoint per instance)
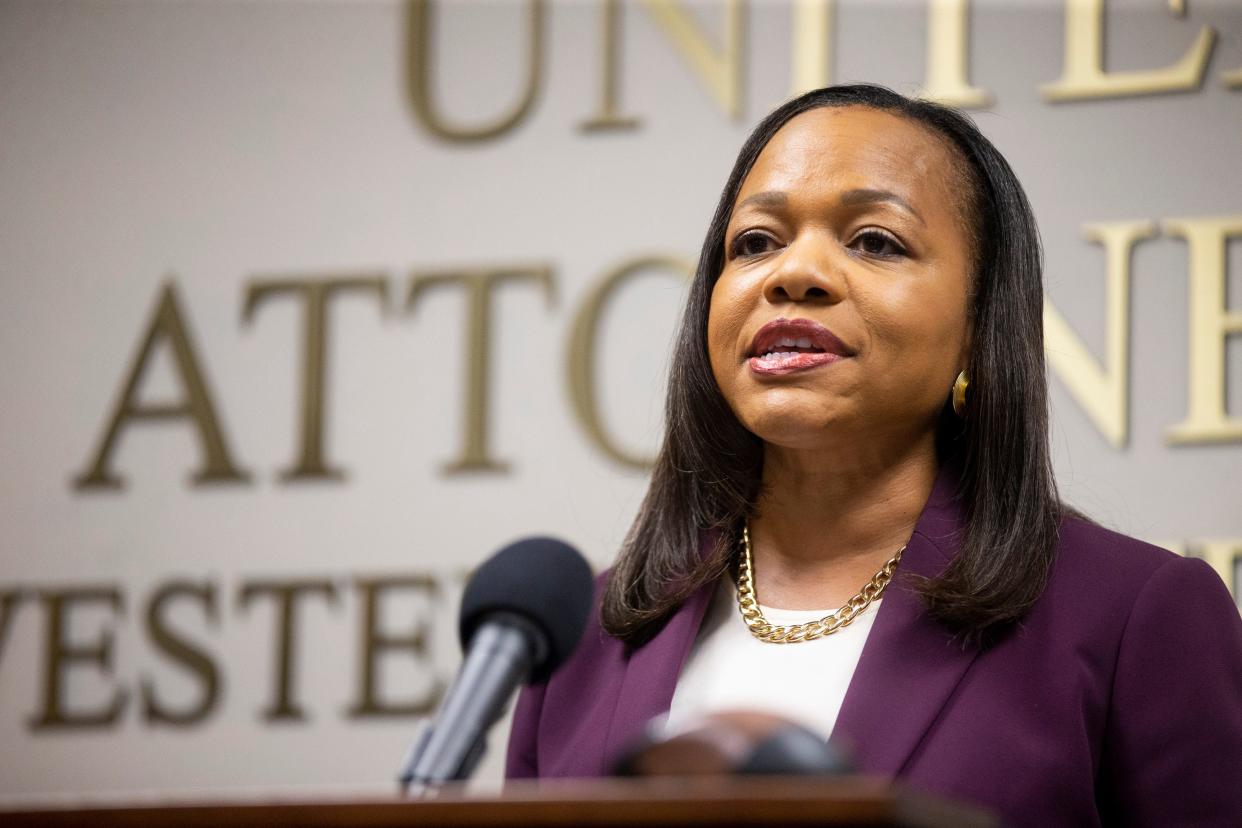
(806, 271)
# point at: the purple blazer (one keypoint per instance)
(1118, 700)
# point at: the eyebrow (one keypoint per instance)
(865, 196)
(776, 198)
(767, 198)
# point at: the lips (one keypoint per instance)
(785, 346)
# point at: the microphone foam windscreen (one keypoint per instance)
(545, 581)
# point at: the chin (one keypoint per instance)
(792, 426)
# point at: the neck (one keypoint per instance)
(825, 523)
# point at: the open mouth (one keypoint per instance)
(786, 345)
(789, 345)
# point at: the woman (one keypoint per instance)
(859, 393)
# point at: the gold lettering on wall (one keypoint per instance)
(811, 50)
(286, 595)
(478, 285)
(948, 56)
(59, 654)
(420, 55)
(377, 643)
(167, 325)
(8, 603)
(314, 293)
(581, 362)
(183, 652)
(1101, 389)
(1232, 80)
(1210, 325)
(720, 69)
(611, 31)
(1083, 75)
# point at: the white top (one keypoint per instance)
(729, 669)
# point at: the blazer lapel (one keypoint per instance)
(910, 665)
(651, 673)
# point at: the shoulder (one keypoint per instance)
(1145, 616)
(1172, 634)
(1106, 588)
(1163, 594)
(1109, 568)
(1085, 547)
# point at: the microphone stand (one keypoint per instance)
(501, 655)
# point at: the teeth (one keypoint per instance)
(788, 343)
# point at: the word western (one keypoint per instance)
(81, 665)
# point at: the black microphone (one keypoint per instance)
(521, 617)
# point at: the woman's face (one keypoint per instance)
(842, 304)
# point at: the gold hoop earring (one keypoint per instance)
(959, 394)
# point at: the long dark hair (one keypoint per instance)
(707, 474)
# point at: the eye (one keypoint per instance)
(751, 243)
(878, 243)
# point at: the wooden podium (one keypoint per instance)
(752, 802)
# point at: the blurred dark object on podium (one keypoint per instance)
(741, 742)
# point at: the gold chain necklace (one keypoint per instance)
(764, 630)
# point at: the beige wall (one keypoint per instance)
(189, 156)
